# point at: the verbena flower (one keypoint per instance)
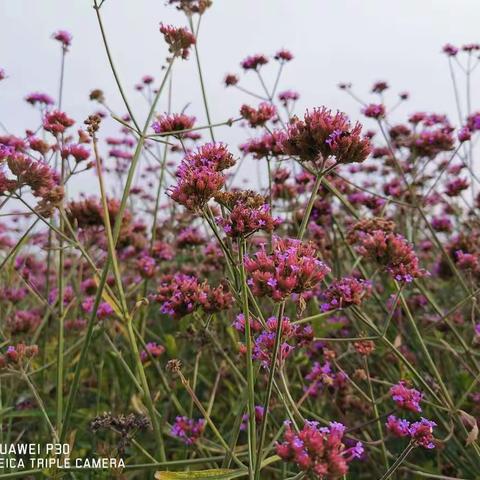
(57, 122)
(263, 346)
(64, 37)
(268, 145)
(200, 176)
(406, 398)
(288, 96)
(374, 111)
(182, 294)
(392, 252)
(322, 135)
(17, 355)
(173, 124)
(259, 412)
(319, 451)
(345, 292)
(188, 430)
(248, 213)
(260, 116)
(421, 432)
(322, 377)
(178, 39)
(291, 267)
(41, 98)
(254, 62)
(151, 349)
(283, 55)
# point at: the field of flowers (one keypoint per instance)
(180, 325)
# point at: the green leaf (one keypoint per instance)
(214, 474)
(170, 345)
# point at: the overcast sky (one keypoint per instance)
(358, 41)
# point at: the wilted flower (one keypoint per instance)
(16, 355)
(231, 79)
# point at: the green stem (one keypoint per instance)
(252, 435)
(398, 462)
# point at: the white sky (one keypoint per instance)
(333, 40)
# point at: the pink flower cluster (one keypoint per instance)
(64, 37)
(291, 267)
(259, 411)
(153, 349)
(178, 39)
(319, 451)
(182, 294)
(391, 251)
(187, 429)
(260, 116)
(200, 176)
(268, 145)
(345, 292)
(323, 377)
(244, 220)
(41, 98)
(57, 122)
(421, 432)
(264, 344)
(173, 124)
(16, 355)
(374, 111)
(254, 61)
(324, 134)
(406, 398)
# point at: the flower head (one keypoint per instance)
(283, 55)
(317, 450)
(64, 37)
(187, 429)
(406, 398)
(41, 98)
(200, 176)
(374, 111)
(254, 61)
(346, 292)
(421, 433)
(179, 40)
(291, 267)
(173, 124)
(56, 122)
(322, 134)
(260, 116)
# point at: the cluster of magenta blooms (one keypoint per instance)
(183, 268)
